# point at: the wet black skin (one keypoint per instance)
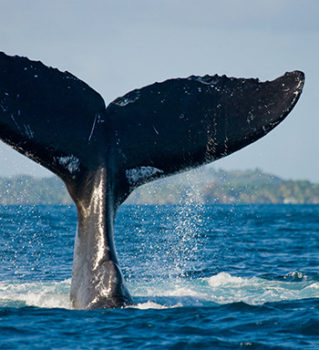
(102, 154)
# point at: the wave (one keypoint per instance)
(160, 294)
(40, 294)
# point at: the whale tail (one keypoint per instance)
(102, 154)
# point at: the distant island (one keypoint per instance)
(203, 185)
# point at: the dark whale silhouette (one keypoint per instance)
(103, 153)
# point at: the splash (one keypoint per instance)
(225, 289)
(168, 293)
(183, 241)
(39, 294)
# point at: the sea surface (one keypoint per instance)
(202, 277)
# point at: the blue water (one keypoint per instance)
(216, 276)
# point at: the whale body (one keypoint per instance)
(102, 153)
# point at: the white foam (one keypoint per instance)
(224, 289)
(169, 293)
(228, 289)
(40, 294)
(149, 305)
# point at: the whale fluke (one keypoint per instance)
(103, 153)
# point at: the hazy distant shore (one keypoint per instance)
(205, 185)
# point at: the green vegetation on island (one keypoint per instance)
(204, 185)
(30, 190)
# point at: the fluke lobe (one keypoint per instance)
(103, 153)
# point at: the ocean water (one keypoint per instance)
(202, 277)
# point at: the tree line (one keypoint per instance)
(205, 185)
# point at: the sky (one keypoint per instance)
(117, 46)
